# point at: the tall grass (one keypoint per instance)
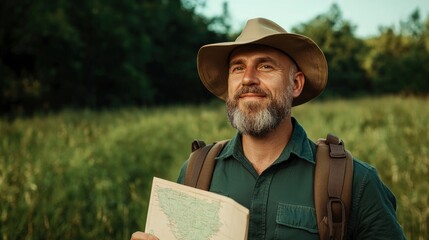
(87, 175)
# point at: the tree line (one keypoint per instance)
(394, 62)
(106, 54)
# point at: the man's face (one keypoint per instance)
(260, 87)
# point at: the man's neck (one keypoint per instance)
(263, 151)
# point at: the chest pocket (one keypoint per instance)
(296, 222)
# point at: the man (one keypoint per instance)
(268, 166)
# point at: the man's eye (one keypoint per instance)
(236, 68)
(266, 67)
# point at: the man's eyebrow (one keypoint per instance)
(258, 60)
(266, 59)
(236, 61)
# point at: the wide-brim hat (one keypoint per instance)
(213, 59)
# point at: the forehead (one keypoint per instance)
(259, 50)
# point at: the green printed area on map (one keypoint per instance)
(179, 212)
(189, 217)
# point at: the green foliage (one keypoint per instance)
(87, 175)
(343, 51)
(99, 54)
(393, 62)
(397, 62)
(108, 54)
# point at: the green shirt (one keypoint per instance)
(280, 200)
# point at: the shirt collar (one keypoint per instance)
(299, 145)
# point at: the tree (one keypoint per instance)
(343, 51)
(99, 53)
(177, 35)
(397, 61)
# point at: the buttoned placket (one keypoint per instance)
(259, 201)
(257, 227)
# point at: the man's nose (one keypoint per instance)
(250, 77)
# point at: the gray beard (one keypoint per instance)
(257, 120)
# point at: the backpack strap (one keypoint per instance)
(201, 163)
(332, 187)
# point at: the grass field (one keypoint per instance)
(86, 175)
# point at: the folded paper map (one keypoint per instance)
(179, 212)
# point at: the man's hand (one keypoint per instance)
(143, 236)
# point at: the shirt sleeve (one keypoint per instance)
(375, 207)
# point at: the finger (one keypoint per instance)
(143, 236)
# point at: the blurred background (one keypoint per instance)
(99, 55)
(97, 97)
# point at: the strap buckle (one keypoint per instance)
(337, 223)
(337, 151)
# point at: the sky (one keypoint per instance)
(367, 15)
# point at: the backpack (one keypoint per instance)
(332, 181)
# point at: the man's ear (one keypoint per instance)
(298, 84)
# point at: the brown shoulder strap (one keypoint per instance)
(332, 187)
(201, 163)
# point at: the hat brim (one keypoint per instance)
(213, 61)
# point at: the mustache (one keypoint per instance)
(250, 89)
